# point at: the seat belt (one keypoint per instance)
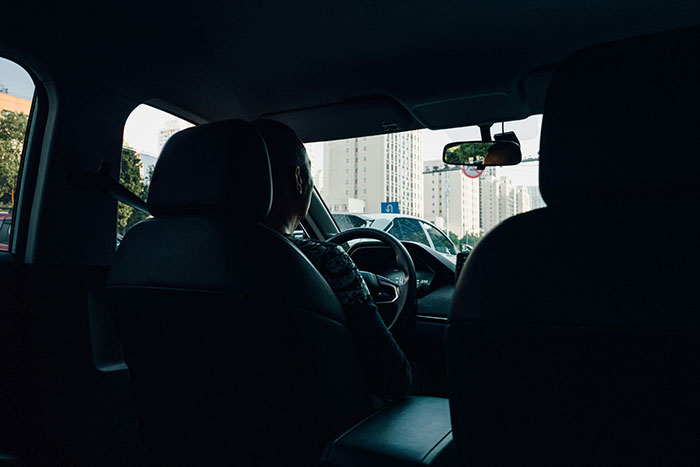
(101, 182)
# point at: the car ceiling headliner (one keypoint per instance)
(222, 60)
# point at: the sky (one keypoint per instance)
(15, 79)
(143, 125)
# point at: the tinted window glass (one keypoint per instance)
(5, 230)
(16, 94)
(146, 131)
(440, 242)
(411, 230)
(349, 221)
(395, 230)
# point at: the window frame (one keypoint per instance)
(27, 174)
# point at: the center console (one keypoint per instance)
(415, 430)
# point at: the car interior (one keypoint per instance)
(205, 338)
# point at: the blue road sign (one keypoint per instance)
(390, 208)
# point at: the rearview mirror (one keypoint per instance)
(482, 153)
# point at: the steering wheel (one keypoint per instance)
(402, 292)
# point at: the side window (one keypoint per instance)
(145, 133)
(395, 230)
(16, 94)
(349, 221)
(412, 231)
(441, 243)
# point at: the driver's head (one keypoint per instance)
(291, 175)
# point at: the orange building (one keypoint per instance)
(14, 103)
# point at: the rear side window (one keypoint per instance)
(145, 133)
(16, 95)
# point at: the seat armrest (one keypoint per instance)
(415, 430)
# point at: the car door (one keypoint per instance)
(57, 407)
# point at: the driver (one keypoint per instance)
(386, 368)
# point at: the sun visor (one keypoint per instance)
(472, 110)
(366, 117)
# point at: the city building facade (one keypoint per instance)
(499, 199)
(536, 201)
(170, 128)
(14, 103)
(522, 199)
(315, 153)
(375, 169)
(450, 199)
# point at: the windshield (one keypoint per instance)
(398, 183)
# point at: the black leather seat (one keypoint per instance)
(573, 336)
(236, 347)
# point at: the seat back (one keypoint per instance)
(236, 346)
(574, 395)
(573, 334)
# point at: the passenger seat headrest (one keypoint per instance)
(219, 168)
(621, 124)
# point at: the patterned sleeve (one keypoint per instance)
(339, 270)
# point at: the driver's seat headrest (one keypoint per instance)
(219, 168)
(620, 124)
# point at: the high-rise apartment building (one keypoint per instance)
(450, 200)
(499, 199)
(506, 199)
(375, 169)
(522, 199)
(170, 128)
(536, 200)
(315, 153)
(488, 202)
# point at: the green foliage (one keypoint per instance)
(468, 239)
(130, 177)
(13, 128)
(455, 239)
(471, 239)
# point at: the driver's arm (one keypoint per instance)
(385, 365)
